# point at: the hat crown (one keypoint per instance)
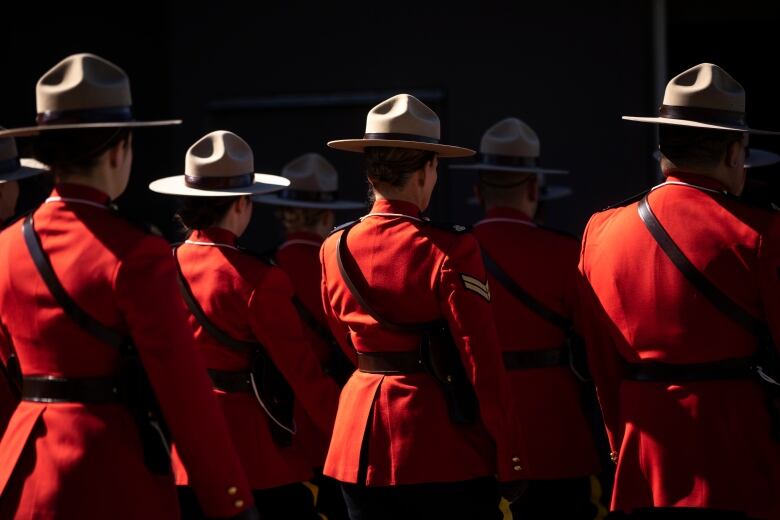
(705, 86)
(8, 149)
(82, 82)
(511, 137)
(219, 154)
(311, 172)
(403, 114)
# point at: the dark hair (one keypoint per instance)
(394, 166)
(76, 149)
(501, 188)
(689, 146)
(295, 219)
(203, 212)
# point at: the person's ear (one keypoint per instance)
(117, 154)
(421, 174)
(733, 154)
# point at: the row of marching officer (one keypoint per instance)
(470, 383)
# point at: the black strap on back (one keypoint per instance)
(342, 254)
(523, 296)
(711, 292)
(61, 296)
(197, 311)
(308, 318)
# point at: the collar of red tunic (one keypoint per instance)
(303, 237)
(701, 181)
(67, 190)
(510, 213)
(215, 235)
(400, 207)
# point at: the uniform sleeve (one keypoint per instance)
(276, 324)
(769, 278)
(465, 299)
(337, 328)
(148, 297)
(604, 361)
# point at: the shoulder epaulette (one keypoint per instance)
(452, 228)
(343, 226)
(147, 227)
(626, 202)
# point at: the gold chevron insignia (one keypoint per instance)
(473, 284)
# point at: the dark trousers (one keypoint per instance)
(571, 498)
(677, 513)
(293, 501)
(330, 500)
(469, 500)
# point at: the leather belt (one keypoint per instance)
(542, 358)
(407, 362)
(51, 389)
(654, 371)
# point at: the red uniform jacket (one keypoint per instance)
(417, 273)
(548, 400)
(299, 257)
(698, 444)
(72, 460)
(250, 300)
(8, 397)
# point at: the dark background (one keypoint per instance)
(290, 76)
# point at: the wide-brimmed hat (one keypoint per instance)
(83, 91)
(704, 96)
(509, 146)
(314, 183)
(403, 121)
(755, 157)
(219, 164)
(14, 168)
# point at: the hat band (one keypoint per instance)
(10, 165)
(703, 115)
(91, 115)
(219, 183)
(308, 196)
(400, 137)
(509, 160)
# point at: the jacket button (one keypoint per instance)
(518, 467)
(239, 503)
(515, 459)
(613, 455)
(232, 490)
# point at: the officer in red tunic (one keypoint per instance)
(682, 293)
(532, 272)
(246, 327)
(426, 421)
(89, 302)
(12, 170)
(307, 211)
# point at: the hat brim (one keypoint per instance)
(264, 183)
(499, 168)
(27, 131)
(756, 159)
(360, 145)
(29, 168)
(697, 124)
(551, 193)
(275, 200)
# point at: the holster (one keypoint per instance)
(440, 356)
(276, 397)
(137, 394)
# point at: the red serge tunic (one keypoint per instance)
(695, 444)
(543, 263)
(299, 257)
(75, 460)
(250, 300)
(417, 273)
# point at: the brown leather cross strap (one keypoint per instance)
(408, 362)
